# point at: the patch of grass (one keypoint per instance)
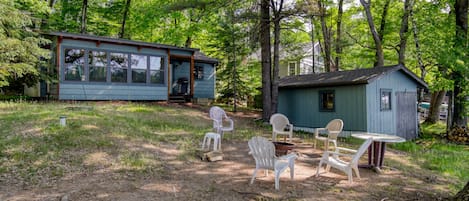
(436, 154)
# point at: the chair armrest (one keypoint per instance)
(345, 149)
(290, 156)
(290, 128)
(327, 153)
(316, 131)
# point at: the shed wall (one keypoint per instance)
(205, 88)
(386, 121)
(301, 106)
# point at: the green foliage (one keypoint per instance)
(21, 49)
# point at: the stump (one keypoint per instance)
(210, 156)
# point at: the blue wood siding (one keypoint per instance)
(180, 70)
(74, 91)
(301, 106)
(386, 121)
(205, 88)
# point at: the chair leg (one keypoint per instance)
(274, 137)
(314, 143)
(356, 171)
(349, 173)
(291, 164)
(203, 143)
(277, 179)
(328, 168)
(253, 176)
(319, 167)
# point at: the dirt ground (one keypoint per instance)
(193, 179)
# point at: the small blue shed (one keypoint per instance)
(380, 99)
(101, 68)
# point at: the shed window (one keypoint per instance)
(119, 64)
(385, 99)
(74, 65)
(199, 72)
(327, 101)
(138, 64)
(292, 68)
(156, 70)
(97, 62)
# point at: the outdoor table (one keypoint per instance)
(377, 148)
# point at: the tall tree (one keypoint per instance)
(326, 32)
(338, 43)
(378, 45)
(84, 12)
(403, 33)
(124, 18)
(277, 9)
(265, 59)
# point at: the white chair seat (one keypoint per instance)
(263, 152)
(331, 159)
(333, 129)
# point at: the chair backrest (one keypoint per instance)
(361, 151)
(217, 114)
(279, 121)
(263, 152)
(334, 127)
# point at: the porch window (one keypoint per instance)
(292, 68)
(119, 64)
(327, 101)
(138, 64)
(74, 65)
(156, 70)
(385, 99)
(97, 62)
(199, 72)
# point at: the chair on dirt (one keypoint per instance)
(219, 117)
(263, 152)
(331, 159)
(281, 126)
(333, 129)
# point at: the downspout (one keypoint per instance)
(168, 81)
(191, 72)
(59, 41)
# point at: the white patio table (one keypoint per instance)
(377, 148)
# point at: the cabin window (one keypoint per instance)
(74, 65)
(119, 64)
(385, 99)
(138, 64)
(292, 68)
(199, 72)
(327, 101)
(97, 62)
(156, 70)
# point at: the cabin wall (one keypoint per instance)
(205, 88)
(85, 90)
(386, 121)
(301, 106)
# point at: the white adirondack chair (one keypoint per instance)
(331, 159)
(263, 152)
(281, 126)
(333, 129)
(219, 116)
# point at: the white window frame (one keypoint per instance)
(289, 67)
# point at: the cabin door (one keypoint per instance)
(407, 125)
(180, 79)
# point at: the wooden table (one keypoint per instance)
(377, 148)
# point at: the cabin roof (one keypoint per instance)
(349, 77)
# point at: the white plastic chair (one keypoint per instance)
(281, 126)
(219, 116)
(333, 129)
(263, 152)
(331, 159)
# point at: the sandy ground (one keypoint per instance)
(194, 179)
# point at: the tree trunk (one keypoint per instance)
(462, 195)
(423, 71)
(408, 4)
(84, 11)
(277, 11)
(126, 13)
(338, 45)
(378, 46)
(434, 110)
(313, 65)
(265, 59)
(459, 112)
(327, 37)
(382, 25)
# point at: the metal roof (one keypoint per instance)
(341, 78)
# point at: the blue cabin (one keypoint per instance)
(380, 99)
(101, 68)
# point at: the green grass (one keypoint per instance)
(436, 154)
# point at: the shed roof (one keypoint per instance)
(350, 77)
(199, 56)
